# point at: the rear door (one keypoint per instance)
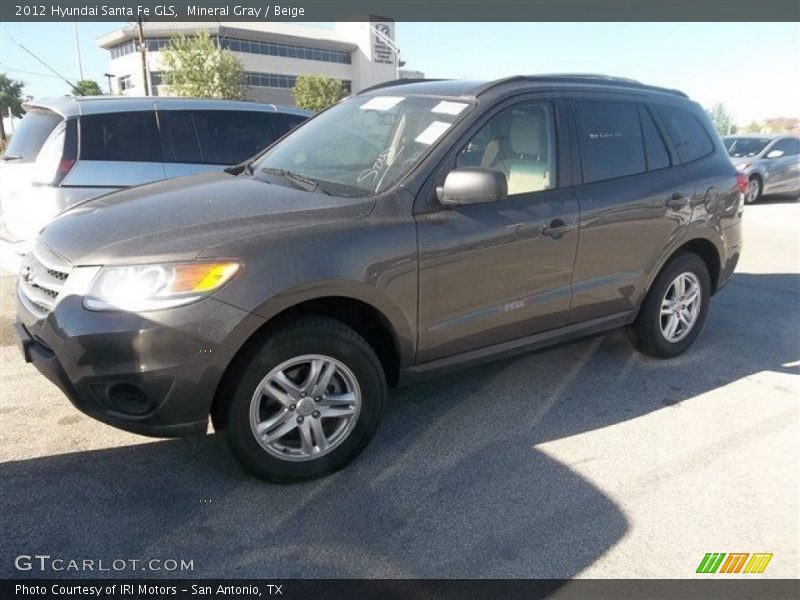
(116, 150)
(633, 198)
(198, 141)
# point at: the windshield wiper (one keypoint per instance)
(300, 181)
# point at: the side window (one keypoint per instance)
(185, 146)
(790, 146)
(520, 142)
(284, 123)
(610, 140)
(654, 148)
(125, 136)
(688, 134)
(229, 137)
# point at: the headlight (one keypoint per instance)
(139, 288)
(742, 166)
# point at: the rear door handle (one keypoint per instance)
(557, 228)
(677, 200)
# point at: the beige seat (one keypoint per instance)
(526, 169)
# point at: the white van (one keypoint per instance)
(71, 149)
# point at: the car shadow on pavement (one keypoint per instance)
(454, 484)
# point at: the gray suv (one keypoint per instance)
(409, 230)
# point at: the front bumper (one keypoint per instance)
(153, 374)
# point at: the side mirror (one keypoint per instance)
(472, 185)
(775, 153)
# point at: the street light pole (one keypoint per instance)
(78, 49)
(143, 50)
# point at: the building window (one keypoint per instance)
(249, 46)
(125, 83)
(277, 80)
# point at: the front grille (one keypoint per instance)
(41, 278)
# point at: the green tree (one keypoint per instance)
(721, 118)
(10, 101)
(197, 68)
(754, 127)
(317, 92)
(87, 87)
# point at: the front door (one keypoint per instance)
(498, 271)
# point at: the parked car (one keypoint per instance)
(68, 150)
(770, 162)
(406, 231)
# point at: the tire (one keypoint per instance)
(650, 332)
(312, 343)
(754, 189)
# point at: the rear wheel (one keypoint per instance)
(675, 308)
(307, 402)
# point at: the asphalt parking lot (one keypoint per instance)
(587, 460)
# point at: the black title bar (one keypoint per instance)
(400, 10)
(711, 588)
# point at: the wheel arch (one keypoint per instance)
(390, 342)
(703, 247)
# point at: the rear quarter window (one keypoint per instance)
(125, 136)
(689, 136)
(229, 137)
(284, 123)
(31, 134)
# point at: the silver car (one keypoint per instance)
(771, 163)
(68, 150)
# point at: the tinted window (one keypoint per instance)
(656, 151)
(284, 123)
(27, 140)
(738, 147)
(182, 138)
(229, 137)
(128, 136)
(789, 146)
(520, 142)
(688, 134)
(610, 140)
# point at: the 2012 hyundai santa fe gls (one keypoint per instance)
(407, 230)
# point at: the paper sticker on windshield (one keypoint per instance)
(445, 107)
(382, 103)
(432, 133)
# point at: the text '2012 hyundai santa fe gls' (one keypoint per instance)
(410, 229)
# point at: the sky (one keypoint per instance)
(753, 68)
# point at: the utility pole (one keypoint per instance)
(143, 51)
(78, 49)
(110, 89)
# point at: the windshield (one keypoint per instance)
(27, 140)
(739, 147)
(363, 145)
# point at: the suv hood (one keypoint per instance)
(178, 219)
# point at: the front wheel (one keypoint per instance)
(675, 308)
(753, 190)
(307, 402)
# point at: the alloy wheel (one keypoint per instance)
(305, 407)
(680, 307)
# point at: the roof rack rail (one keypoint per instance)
(394, 82)
(579, 78)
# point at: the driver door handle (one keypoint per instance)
(557, 228)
